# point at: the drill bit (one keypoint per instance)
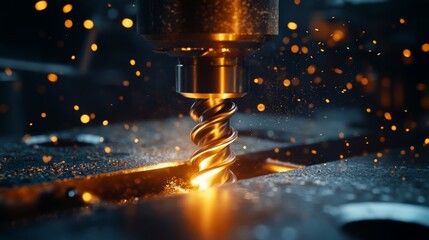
(213, 135)
(210, 38)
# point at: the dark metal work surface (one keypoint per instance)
(82, 152)
(280, 206)
(329, 198)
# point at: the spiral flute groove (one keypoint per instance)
(213, 135)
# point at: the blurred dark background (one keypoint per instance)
(56, 71)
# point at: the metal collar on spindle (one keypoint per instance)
(211, 78)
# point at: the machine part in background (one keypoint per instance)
(11, 100)
(210, 38)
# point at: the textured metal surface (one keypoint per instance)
(302, 204)
(195, 23)
(159, 142)
(310, 203)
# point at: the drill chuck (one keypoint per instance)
(210, 37)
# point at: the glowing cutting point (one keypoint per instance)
(206, 180)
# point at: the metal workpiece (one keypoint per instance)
(312, 203)
(76, 189)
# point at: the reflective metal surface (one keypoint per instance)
(207, 24)
(211, 78)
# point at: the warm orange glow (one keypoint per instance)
(285, 40)
(41, 5)
(387, 116)
(327, 100)
(52, 77)
(87, 197)
(401, 20)
(258, 81)
(426, 142)
(132, 62)
(292, 25)
(393, 127)
(94, 47)
(67, 8)
(317, 80)
(406, 53)
(68, 23)
(46, 158)
(364, 81)
(278, 166)
(127, 23)
(286, 83)
(425, 47)
(294, 48)
(368, 110)
(338, 71)
(8, 71)
(261, 107)
(209, 214)
(85, 119)
(338, 35)
(304, 50)
(153, 167)
(54, 139)
(76, 107)
(43, 115)
(204, 181)
(311, 69)
(349, 86)
(107, 150)
(88, 24)
(421, 87)
(105, 123)
(295, 81)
